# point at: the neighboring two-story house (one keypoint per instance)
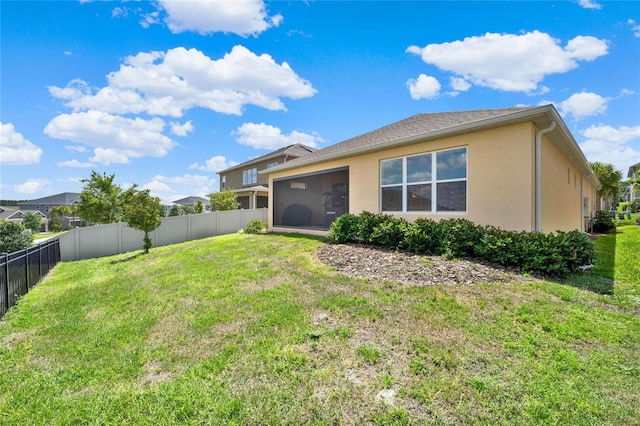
(45, 204)
(12, 214)
(252, 188)
(191, 201)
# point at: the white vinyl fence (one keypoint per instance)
(115, 238)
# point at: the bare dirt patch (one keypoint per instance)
(375, 263)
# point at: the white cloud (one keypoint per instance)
(589, 4)
(75, 163)
(181, 129)
(168, 83)
(245, 17)
(635, 28)
(15, 150)
(265, 136)
(214, 164)
(32, 186)
(459, 84)
(583, 104)
(115, 139)
(424, 86)
(76, 148)
(169, 188)
(618, 146)
(510, 62)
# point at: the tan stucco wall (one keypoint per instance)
(500, 189)
(561, 191)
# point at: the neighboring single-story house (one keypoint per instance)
(251, 187)
(515, 168)
(11, 214)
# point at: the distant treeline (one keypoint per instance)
(9, 203)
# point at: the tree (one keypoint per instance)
(142, 212)
(14, 236)
(199, 207)
(31, 221)
(175, 210)
(610, 178)
(100, 200)
(56, 214)
(224, 200)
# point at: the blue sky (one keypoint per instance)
(164, 94)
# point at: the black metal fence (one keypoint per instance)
(21, 270)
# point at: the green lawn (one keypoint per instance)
(251, 329)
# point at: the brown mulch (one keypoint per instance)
(363, 261)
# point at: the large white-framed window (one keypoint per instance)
(249, 176)
(429, 182)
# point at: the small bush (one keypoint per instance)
(424, 236)
(14, 237)
(462, 238)
(635, 205)
(255, 226)
(367, 223)
(603, 222)
(344, 229)
(389, 233)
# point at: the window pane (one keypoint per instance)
(391, 171)
(452, 197)
(392, 199)
(419, 168)
(452, 164)
(419, 198)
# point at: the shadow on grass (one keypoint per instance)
(128, 258)
(600, 278)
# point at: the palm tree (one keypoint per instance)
(611, 180)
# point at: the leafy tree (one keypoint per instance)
(142, 212)
(199, 207)
(31, 221)
(175, 210)
(100, 200)
(610, 178)
(224, 200)
(56, 214)
(188, 209)
(14, 236)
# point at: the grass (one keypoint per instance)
(251, 329)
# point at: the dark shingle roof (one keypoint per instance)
(420, 124)
(57, 199)
(294, 151)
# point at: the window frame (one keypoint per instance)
(250, 176)
(433, 183)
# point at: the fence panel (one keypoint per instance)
(115, 238)
(21, 270)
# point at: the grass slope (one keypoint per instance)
(247, 329)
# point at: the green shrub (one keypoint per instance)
(390, 232)
(424, 236)
(344, 229)
(502, 247)
(635, 205)
(14, 237)
(462, 238)
(367, 223)
(603, 222)
(255, 226)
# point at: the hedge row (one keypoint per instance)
(558, 254)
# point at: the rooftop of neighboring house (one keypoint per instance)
(64, 198)
(291, 151)
(634, 170)
(191, 201)
(9, 212)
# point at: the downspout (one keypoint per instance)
(538, 183)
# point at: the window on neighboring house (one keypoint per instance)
(249, 176)
(270, 165)
(430, 182)
(224, 182)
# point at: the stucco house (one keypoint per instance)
(11, 214)
(45, 204)
(633, 173)
(192, 200)
(249, 185)
(516, 168)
